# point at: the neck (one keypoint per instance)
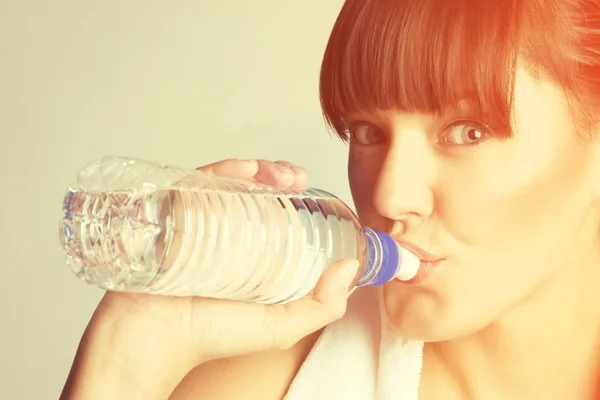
(548, 346)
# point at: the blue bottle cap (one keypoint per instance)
(382, 260)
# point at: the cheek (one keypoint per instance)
(363, 171)
(531, 188)
(515, 191)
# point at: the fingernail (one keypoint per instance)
(296, 170)
(349, 272)
(284, 168)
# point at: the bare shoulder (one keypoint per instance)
(265, 376)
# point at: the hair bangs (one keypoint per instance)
(420, 56)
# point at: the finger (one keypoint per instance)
(292, 322)
(300, 175)
(232, 168)
(275, 174)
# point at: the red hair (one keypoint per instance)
(426, 55)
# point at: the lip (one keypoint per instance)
(429, 261)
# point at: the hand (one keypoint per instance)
(148, 335)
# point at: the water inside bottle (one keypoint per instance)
(263, 246)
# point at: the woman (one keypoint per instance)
(473, 139)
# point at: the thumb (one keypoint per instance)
(335, 281)
(300, 318)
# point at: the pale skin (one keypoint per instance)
(512, 313)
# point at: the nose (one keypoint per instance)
(403, 191)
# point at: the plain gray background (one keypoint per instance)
(181, 82)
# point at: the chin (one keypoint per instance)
(431, 331)
(433, 324)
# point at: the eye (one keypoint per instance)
(365, 134)
(464, 133)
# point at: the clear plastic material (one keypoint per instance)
(138, 226)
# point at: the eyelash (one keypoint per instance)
(443, 133)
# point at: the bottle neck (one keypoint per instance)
(382, 258)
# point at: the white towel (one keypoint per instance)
(360, 357)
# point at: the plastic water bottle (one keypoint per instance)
(138, 226)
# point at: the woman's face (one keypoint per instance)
(506, 214)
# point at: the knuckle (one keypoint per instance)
(336, 310)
